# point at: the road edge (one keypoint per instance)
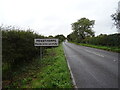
(72, 77)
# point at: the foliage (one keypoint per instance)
(108, 48)
(104, 40)
(88, 35)
(18, 48)
(55, 75)
(72, 37)
(83, 28)
(116, 18)
(60, 37)
(50, 72)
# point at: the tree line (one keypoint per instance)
(18, 48)
(83, 33)
(81, 30)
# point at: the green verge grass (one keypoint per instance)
(50, 72)
(108, 48)
(56, 73)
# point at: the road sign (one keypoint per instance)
(46, 42)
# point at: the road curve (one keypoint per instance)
(92, 68)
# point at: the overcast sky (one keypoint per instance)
(52, 17)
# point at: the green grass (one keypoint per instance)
(108, 48)
(56, 74)
(50, 72)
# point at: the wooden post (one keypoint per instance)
(40, 52)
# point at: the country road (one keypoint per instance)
(92, 68)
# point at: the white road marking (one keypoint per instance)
(94, 53)
(73, 79)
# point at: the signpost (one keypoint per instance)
(45, 42)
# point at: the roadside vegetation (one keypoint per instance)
(56, 73)
(84, 35)
(49, 72)
(108, 48)
(22, 67)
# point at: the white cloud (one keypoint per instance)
(52, 17)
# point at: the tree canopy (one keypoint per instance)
(61, 37)
(116, 18)
(82, 29)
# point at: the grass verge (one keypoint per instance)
(56, 73)
(50, 72)
(114, 49)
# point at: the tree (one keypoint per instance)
(72, 37)
(116, 18)
(60, 37)
(50, 36)
(83, 28)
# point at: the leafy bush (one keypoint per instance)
(104, 40)
(112, 40)
(18, 48)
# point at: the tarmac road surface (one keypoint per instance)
(92, 68)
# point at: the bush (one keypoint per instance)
(18, 48)
(104, 40)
